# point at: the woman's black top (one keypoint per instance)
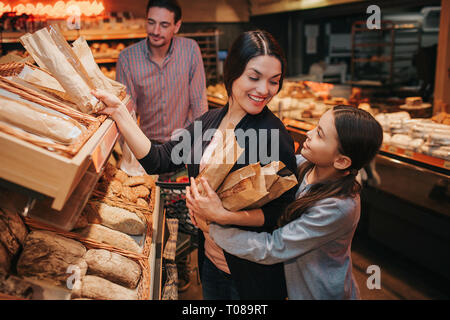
(253, 280)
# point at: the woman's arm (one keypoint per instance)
(137, 141)
(320, 225)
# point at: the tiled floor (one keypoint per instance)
(400, 279)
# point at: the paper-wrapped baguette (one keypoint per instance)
(36, 120)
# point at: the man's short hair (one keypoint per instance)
(171, 5)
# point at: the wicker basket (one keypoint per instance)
(90, 122)
(142, 259)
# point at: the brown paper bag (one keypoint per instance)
(219, 165)
(50, 50)
(243, 187)
(81, 49)
(221, 162)
(280, 186)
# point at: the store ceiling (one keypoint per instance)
(260, 7)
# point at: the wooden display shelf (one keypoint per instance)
(105, 60)
(216, 101)
(49, 173)
(13, 37)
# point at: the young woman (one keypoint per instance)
(253, 74)
(316, 230)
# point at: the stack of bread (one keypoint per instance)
(418, 134)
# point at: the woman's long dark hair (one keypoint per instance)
(247, 46)
(360, 137)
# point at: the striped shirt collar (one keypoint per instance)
(148, 52)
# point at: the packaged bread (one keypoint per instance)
(94, 287)
(51, 53)
(113, 267)
(111, 237)
(39, 120)
(115, 218)
(47, 256)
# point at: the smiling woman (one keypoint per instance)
(253, 74)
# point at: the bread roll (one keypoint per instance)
(140, 192)
(113, 267)
(134, 181)
(121, 176)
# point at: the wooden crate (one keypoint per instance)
(49, 173)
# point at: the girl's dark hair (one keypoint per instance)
(359, 138)
(247, 46)
(171, 5)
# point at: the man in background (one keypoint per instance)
(164, 74)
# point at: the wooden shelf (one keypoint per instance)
(105, 60)
(51, 174)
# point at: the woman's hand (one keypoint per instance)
(208, 206)
(113, 103)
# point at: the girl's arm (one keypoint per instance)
(209, 207)
(321, 224)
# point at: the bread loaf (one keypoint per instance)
(141, 191)
(40, 121)
(15, 224)
(48, 256)
(8, 239)
(5, 259)
(15, 286)
(117, 218)
(113, 267)
(94, 287)
(112, 237)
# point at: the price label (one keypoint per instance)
(409, 153)
(392, 149)
(447, 164)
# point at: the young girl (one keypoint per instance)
(316, 230)
(253, 74)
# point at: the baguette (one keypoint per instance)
(31, 118)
